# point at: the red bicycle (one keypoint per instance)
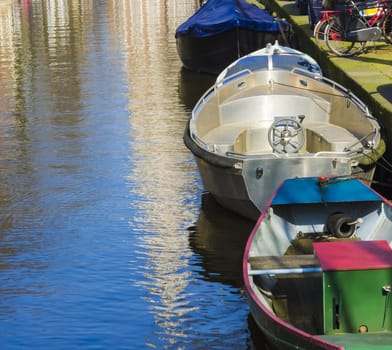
(346, 32)
(320, 27)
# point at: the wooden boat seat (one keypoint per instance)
(328, 137)
(286, 264)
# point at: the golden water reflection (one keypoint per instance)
(93, 105)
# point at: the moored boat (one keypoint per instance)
(266, 122)
(318, 266)
(221, 31)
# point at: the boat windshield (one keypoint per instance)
(269, 62)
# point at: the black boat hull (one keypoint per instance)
(212, 54)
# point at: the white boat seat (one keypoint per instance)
(224, 134)
(328, 137)
(225, 137)
(252, 140)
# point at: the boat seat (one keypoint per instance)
(286, 264)
(223, 138)
(328, 137)
(252, 141)
(231, 137)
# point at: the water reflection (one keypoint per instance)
(257, 340)
(166, 182)
(219, 237)
(98, 191)
(192, 86)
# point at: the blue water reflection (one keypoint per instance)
(106, 238)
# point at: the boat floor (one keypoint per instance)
(297, 300)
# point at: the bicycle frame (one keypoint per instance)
(355, 27)
(383, 10)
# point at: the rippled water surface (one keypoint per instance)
(107, 240)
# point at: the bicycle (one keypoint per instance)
(320, 27)
(346, 32)
(319, 32)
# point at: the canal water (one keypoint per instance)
(107, 239)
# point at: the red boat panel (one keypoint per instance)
(353, 255)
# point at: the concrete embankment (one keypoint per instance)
(368, 75)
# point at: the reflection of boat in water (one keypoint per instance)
(223, 30)
(254, 128)
(318, 266)
(192, 85)
(257, 338)
(220, 238)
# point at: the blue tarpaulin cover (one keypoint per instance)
(310, 190)
(217, 16)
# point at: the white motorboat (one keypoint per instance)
(261, 123)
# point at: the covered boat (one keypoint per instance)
(222, 31)
(318, 266)
(264, 123)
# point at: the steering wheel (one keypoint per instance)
(286, 136)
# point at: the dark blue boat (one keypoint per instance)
(222, 31)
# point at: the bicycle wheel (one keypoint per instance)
(319, 34)
(335, 36)
(387, 29)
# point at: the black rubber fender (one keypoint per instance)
(338, 225)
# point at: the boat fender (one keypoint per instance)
(374, 156)
(341, 225)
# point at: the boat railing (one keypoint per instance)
(202, 100)
(336, 86)
(233, 76)
(369, 144)
(216, 87)
(198, 140)
(316, 76)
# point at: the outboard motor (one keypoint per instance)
(342, 226)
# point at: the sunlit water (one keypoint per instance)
(107, 240)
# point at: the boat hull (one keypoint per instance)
(253, 129)
(244, 186)
(213, 53)
(280, 337)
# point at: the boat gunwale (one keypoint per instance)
(298, 72)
